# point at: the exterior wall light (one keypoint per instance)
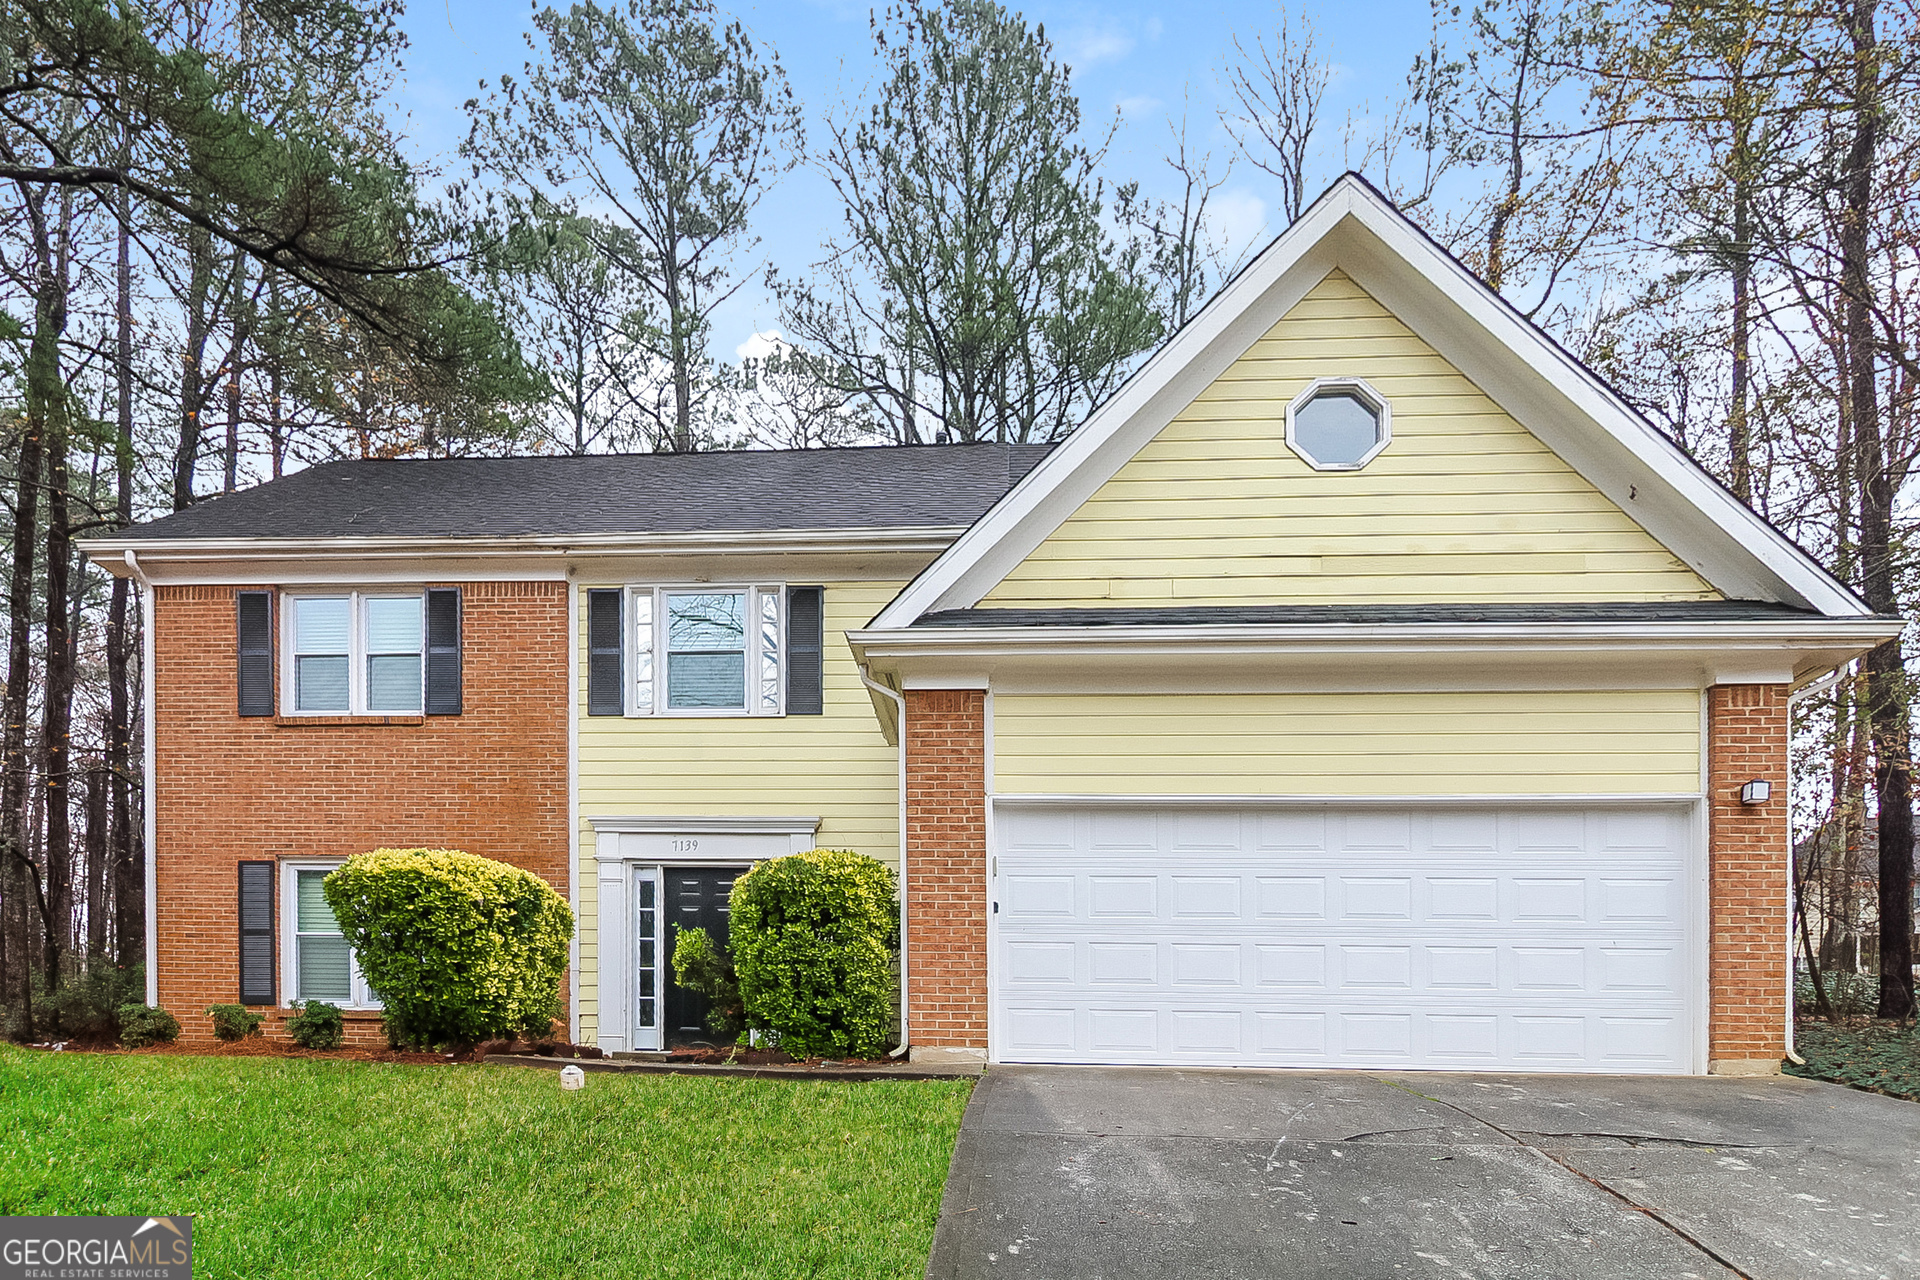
(1756, 792)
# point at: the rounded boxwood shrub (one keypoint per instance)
(813, 937)
(234, 1021)
(316, 1024)
(459, 948)
(143, 1024)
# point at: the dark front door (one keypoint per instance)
(696, 898)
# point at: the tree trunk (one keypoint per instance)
(1887, 694)
(99, 889)
(1739, 430)
(56, 711)
(1509, 205)
(44, 392)
(193, 388)
(128, 884)
(230, 479)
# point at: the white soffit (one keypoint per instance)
(1355, 229)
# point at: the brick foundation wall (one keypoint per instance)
(491, 781)
(1747, 958)
(946, 868)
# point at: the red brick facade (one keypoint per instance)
(946, 868)
(1747, 952)
(492, 781)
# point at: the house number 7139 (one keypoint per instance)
(686, 846)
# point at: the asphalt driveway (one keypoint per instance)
(1090, 1173)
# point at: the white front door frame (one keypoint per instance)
(625, 849)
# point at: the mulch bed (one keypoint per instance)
(1878, 1055)
(733, 1057)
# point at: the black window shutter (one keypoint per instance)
(443, 651)
(256, 653)
(256, 933)
(606, 688)
(804, 650)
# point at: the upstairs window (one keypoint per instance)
(707, 651)
(1339, 424)
(356, 653)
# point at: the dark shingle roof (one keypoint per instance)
(1370, 615)
(747, 491)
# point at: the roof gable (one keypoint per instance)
(1353, 230)
(1461, 504)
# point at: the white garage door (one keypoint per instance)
(1526, 939)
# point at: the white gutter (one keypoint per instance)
(900, 743)
(1258, 638)
(149, 822)
(1794, 699)
(912, 538)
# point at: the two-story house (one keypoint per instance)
(1364, 684)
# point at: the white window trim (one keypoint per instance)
(362, 995)
(1363, 391)
(657, 595)
(357, 648)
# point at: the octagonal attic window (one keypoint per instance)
(1339, 424)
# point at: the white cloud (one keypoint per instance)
(1138, 105)
(1090, 46)
(760, 345)
(1237, 219)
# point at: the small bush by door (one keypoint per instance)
(813, 937)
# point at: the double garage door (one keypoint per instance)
(1529, 939)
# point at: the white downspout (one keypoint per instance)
(900, 742)
(1793, 699)
(149, 824)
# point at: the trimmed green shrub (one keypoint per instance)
(234, 1021)
(145, 1024)
(700, 966)
(317, 1025)
(813, 937)
(460, 948)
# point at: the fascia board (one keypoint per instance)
(1167, 383)
(109, 553)
(975, 642)
(1548, 391)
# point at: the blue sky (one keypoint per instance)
(1138, 59)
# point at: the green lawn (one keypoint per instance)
(339, 1169)
(1866, 1053)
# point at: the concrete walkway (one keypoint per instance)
(1085, 1173)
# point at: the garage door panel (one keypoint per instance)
(1464, 950)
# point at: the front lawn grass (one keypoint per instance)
(1863, 1052)
(314, 1168)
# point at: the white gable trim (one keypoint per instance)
(1353, 228)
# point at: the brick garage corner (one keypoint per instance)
(1747, 946)
(946, 868)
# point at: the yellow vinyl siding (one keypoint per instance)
(1465, 504)
(1359, 744)
(837, 766)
